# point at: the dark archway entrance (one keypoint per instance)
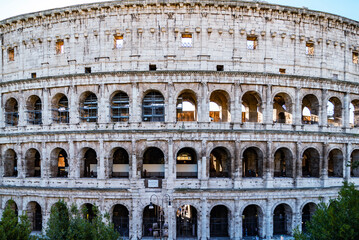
(219, 221)
(120, 219)
(186, 224)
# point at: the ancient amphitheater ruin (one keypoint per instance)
(212, 119)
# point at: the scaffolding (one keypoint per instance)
(11, 118)
(60, 112)
(120, 108)
(88, 111)
(34, 113)
(153, 109)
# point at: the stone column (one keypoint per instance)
(346, 106)
(237, 220)
(133, 173)
(135, 220)
(20, 161)
(204, 174)
(46, 116)
(204, 220)
(22, 109)
(269, 166)
(297, 120)
(297, 214)
(324, 163)
(171, 220)
(135, 108)
(203, 114)
(269, 106)
(101, 161)
(238, 165)
(170, 170)
(298, 163)
(346, 162)
(2, 114)
(323, 121)
(72, 160)
(268, 220)
(101, 112)
(237, 110)
(45, 162)
(74, 106)
(170, 109)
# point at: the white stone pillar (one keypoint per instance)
(324, 163)
(170, 171)
(238, 165)
(101, 160)
(45, 161)
(204, 113)
(268, 220)
(323, 121)
(101, 112)
(346, 161)
(298, 163)
(237, 110)
(346, 106)
(2, 113)
(297, 215)
(72, 160)
(135, 108)
(74, 106)
(22, 109)
(237, 223)
(170, 108)
(298, 108)
(204, 220)
(133, 173)
(268, 171)
(268, 106)
(20, 161)
(46, 112)
(135, 219)
(204, 174)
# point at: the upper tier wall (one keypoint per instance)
(152, 35)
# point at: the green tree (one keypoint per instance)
(75, 225)
(10, 226)
(337, 221)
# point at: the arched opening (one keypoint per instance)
(252, 162)
(310, 109)
(13, 206)
(88, 107)
(251, 218)
(219, 221)
(251, 107)
(282, 220)
(186, 224)
(60, 109)
(10, 163)
(34, 110)
(120, 166)
(186, 163)
(33, 163)
(152, 221)
(334, 112)
(153, 163)
(89, 211)
(219, 108)
(307, 213)
(120, 219)
(11, 112)
(153, 107)
(34, 215)
(335, 163)
(59, 166)
(186, 107)
(120, 107)
(282, 108)
(283, 163)
(354, 113)
(354, 158)
(220, 163)
(310, 163)
(90, 164)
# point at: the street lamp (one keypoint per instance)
(165, 198)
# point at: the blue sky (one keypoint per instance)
(347, 8)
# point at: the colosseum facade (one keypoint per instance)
(214, 119)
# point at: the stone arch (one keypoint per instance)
(354, 159)
(186, 163)
(186, 106)
(120, 163)
(220, 162)
(60, 108)
(32, 163)
(34, 214)
(334, 112)
(252, 107)
(219, 106)
(282, 219)
(59, 164)
(11, 112)
(354, 113)
(89, 211)
(186, 222)
(219, 221)
(121, 220)
(34, 110)
(10, 163)
(307, 212)
(153, 107)
(152, 217)
(310, 109)
(88, 163)
(310, 163)
(335, 163)
(88, 107)
(153, 163)
(252, 220)
(282, 108)
(252, 162)
(120, 107)
(283, 162)
(12, 204)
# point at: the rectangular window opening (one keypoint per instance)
(33, 75)
(152, 67)
(309, 48)
(252, 42)
(355, 57)
(11, 53)
(282, 70)
(60, 47)
(118, 42)
(87, 70)
(186, 40)
(220, 68)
